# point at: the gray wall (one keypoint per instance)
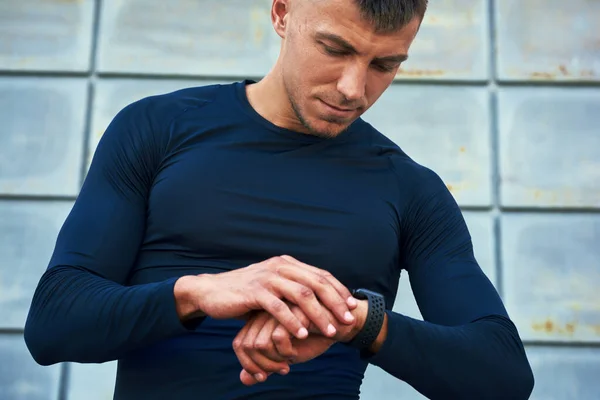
(501, 98)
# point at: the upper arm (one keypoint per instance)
(449, 286)
(106, 225)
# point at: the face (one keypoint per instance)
(332, 64)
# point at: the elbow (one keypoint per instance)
(515, 376)
(515, 381)
(42, 348)
(521, 382)
(51, 342)
(45, 335)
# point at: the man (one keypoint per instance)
(221, 230)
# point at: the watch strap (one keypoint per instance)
(374, 321)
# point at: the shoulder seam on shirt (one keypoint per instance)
(181, 113)
(168, 127)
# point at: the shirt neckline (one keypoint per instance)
(239, 89)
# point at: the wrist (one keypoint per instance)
(360, 315)
(381, 337)
(370, 330)
(186, 291)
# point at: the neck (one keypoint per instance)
(269, 99)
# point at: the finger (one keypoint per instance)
(342, 290)
(306, 299)
(264, 342)
(247, 379)
(323, 285)
(237, 341)
(243, 344)
(282, 313)
(268, 366)
(339, 286)
(283, 344)
(264, 354)
(282, 340)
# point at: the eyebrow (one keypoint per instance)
(339, 41)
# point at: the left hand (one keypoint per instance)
(264, 346)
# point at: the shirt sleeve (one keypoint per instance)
(82, 310)
(466, 347)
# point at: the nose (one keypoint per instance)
(352, 82)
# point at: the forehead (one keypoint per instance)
(343, 18)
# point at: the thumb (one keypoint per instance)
(247, 378)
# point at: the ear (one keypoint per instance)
(280, 16)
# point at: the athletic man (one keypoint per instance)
(221, 230)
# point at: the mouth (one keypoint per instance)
(331, 109)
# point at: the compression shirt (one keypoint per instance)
(196, 181)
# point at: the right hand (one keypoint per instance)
(264, 347)
(269, 285)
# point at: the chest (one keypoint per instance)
(236, 207)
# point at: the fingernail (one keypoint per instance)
(349, 317)
(258, 377)
(283, 372)
(351, 301)
(330, 329)
(302, 333)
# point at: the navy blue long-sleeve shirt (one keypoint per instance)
(196, 181)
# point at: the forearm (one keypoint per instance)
(484, 359)
(80, 317)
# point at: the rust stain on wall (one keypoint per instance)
(562, 72)
(563, 69)
(550, 326)
(542, 75)
(563, 196)
(257, 20)
(587, 73)
(568, 329)
(458, 186)
(420, 72)
(259, 35)
(547, 326)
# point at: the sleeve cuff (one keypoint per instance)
(167, 297)
(388, 350)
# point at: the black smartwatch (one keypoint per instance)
(365, 338)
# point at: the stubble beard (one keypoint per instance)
(329, 134)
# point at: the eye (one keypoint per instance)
(334, 52)
(385, 67)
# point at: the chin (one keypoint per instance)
(326, 127)
(327, 130)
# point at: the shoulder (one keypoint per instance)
(148, 120)
(161, 109)
(414, 179)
